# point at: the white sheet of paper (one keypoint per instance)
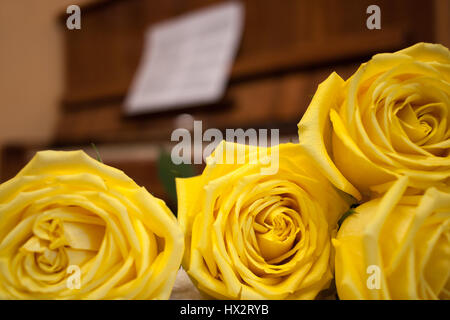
(187, 60)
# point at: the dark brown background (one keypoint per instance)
(288, 48)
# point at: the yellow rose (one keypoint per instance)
(66, 214)
(390, 119)
(251, 235)
(396, 247)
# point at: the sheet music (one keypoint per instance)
(187, 60)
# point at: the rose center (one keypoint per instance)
(425, 127)
(59, 240)
(278, 234)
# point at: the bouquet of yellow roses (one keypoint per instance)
(383, 137)
(361, 203)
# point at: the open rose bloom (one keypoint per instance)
(390, 119)
(396, 247)
(66, 215)
(259, 236)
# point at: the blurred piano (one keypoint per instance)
(288, 47)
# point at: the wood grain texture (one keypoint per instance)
(288, 47)
(103, 56)
(282, 48)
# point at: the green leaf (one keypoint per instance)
(348, 213)
(168, 171)
(97, 153)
